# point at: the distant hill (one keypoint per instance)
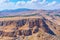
(17, 10)
(25, 11)
(14, 12)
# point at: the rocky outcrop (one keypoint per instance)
(33, 24)
(20, 23)
(9, 34)
(1, 33)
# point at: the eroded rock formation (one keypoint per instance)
(34, 26)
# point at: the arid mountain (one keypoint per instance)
(29, 27)
(24, 11)
(30, 24)
(15, 12)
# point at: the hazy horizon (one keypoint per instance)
(29, 4)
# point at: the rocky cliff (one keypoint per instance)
(24, 28)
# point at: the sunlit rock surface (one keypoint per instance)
(29, 28)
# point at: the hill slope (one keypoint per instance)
(29, 28)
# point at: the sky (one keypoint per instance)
(30, 4)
